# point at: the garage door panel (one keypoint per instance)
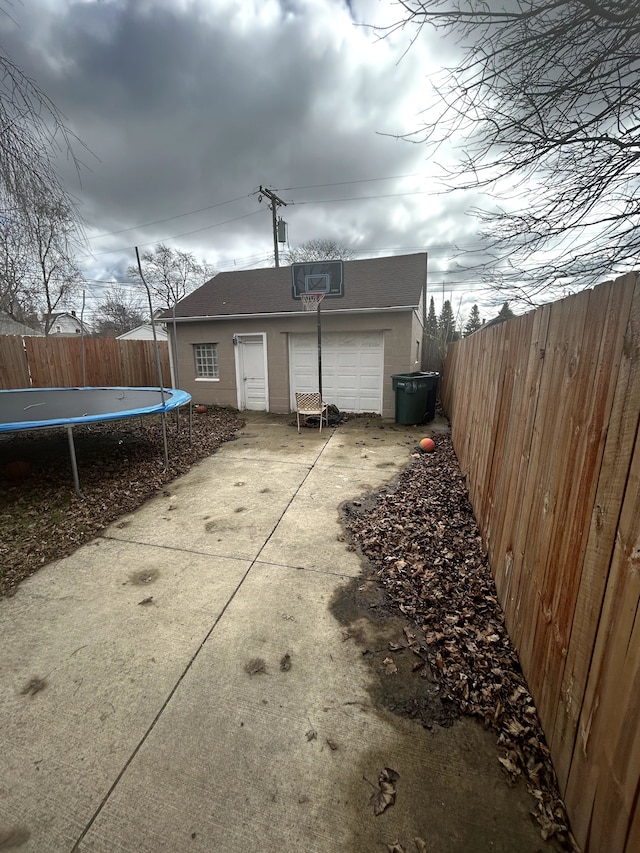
(368, 362)
(352, 368)
(346, 384)
(370, 384)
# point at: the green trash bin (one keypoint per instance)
(416, 395)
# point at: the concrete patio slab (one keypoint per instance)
(86, 667)
(173, 687)
(286, 764)
(226, 505)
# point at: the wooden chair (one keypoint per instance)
(311, 405)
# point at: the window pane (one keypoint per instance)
(206, 357)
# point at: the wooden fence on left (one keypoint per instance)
(40, 362)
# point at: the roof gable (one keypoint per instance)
(374, 283)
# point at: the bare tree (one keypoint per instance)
(52, 231)
(207, 271)
(119, 312)
(18, 291)
(38, 270)
(39, 221)
(170, 273)
(32, 132)
(546, 102)
(319, 249)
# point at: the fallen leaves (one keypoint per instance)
(396, 847)
(389, 666)
(421, 538)
(385, 796)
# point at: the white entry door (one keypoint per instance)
(251, 372)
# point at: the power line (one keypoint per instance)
(247, 195)
(430, 248)
(175, 237)
(169, 218)
(362, 197)
(345, 183)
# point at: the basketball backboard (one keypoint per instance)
(317, 277)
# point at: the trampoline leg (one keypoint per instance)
(190, 425)
(74, 464)
(164, 441)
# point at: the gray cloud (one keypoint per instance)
(185, 105)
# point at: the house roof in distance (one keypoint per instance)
(374, 283)
(9, 326)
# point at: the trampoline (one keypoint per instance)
(45, 408)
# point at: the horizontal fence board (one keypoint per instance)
(545, 413)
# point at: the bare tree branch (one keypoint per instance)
(171, 273)
(544, 111)
(319, 249)
(119, 312)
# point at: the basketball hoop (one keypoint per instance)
(311, 301)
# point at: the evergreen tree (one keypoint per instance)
(432, 322)
(505, 312)
(474, 322)
(447, 324)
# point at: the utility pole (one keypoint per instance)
(274, 205)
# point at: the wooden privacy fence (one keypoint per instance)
(52, 362)
(545, 412)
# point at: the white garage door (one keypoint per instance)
(352, 368)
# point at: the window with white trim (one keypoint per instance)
(206, 359)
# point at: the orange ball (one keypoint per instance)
(428, 445)
(16, 471)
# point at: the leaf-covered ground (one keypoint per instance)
(120, 465)
(422, 541)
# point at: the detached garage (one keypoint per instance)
(243, 340)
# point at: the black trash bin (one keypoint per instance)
(416, 395)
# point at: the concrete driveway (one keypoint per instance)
(180, 683)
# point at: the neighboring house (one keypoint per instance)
(65, 324)
(144, 333)
(244, 341)
(9, 326)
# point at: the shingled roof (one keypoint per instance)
(9, 326)
(373, 284)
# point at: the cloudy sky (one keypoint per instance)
(186, 107)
